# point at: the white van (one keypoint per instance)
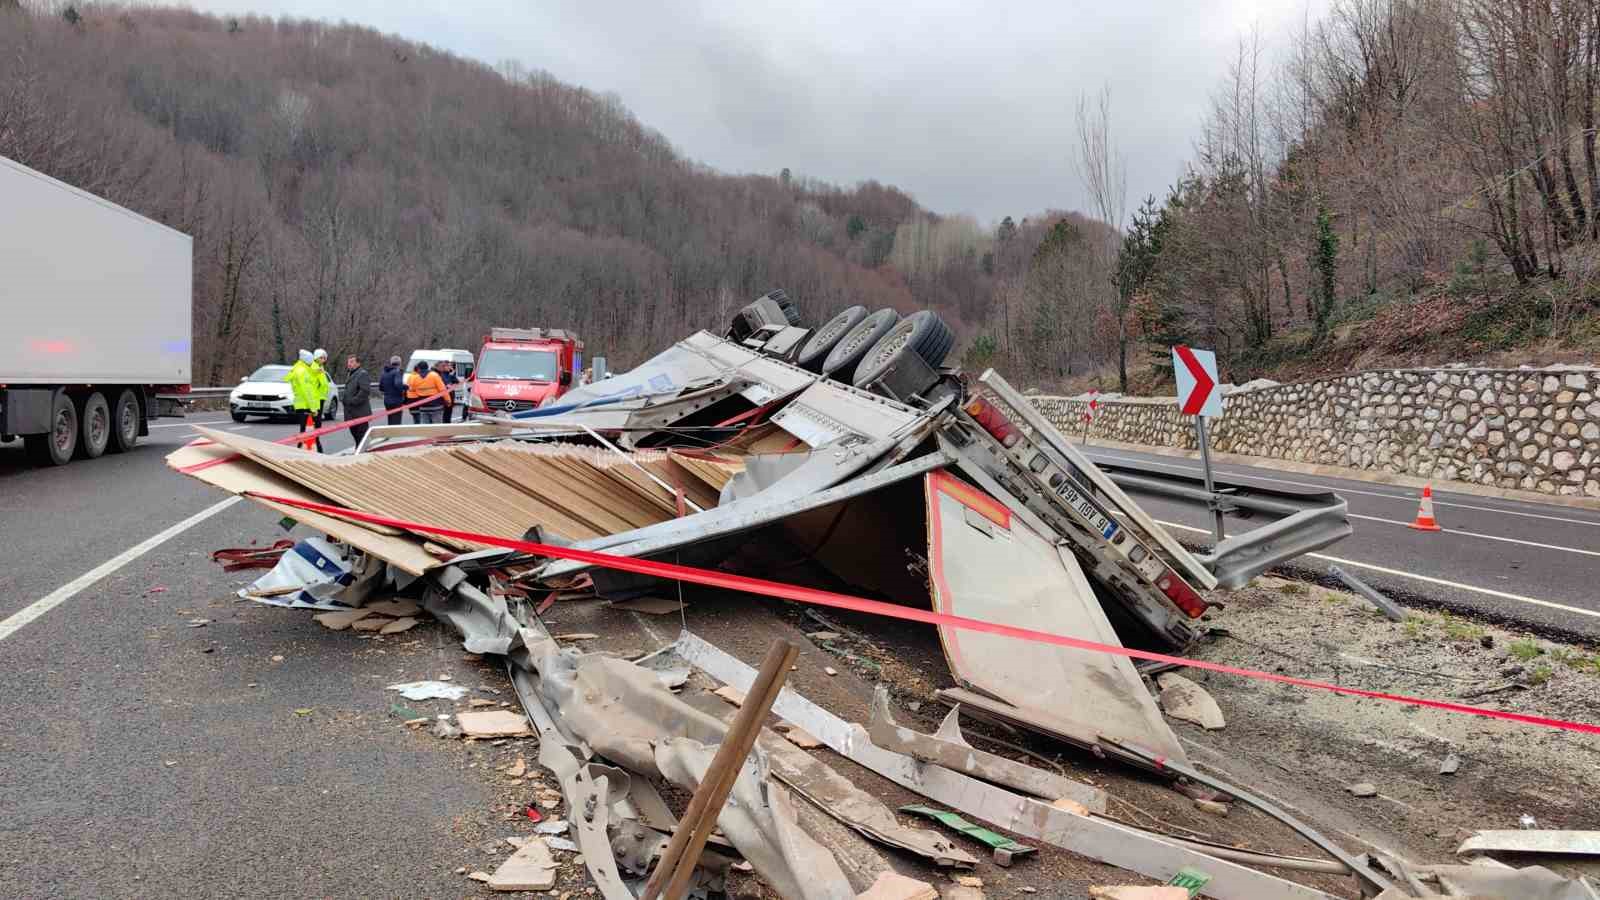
(464, 363)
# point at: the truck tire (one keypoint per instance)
(922, 333)
(56, 446)
(94, 426)
(124, 422)
(842, 359)
(816, 348)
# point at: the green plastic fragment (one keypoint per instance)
(287, 524)
(978, 832)
(1192, 879)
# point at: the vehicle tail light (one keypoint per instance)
(990, 418)
(1179, 592)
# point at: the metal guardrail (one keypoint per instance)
(1304, 520)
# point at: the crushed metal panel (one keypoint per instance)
(948, 749)
(839, 797)
(828, 410)
(1108, 842)
(1098, 480)
(1001, 571)
(821, 480)
(622, 712)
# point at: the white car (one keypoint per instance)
(265, 393)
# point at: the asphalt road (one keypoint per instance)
(1529, 562)
(255, 756)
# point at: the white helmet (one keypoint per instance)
(320, 354)
(305, 356)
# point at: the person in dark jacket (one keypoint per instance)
(357, 398)
(393, 385)
(447, 374)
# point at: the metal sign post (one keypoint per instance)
(1205, 463)
(1196, 374)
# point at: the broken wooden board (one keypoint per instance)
(395, 626)
(894, 886)
(340, 619)
(493, 723)
(397, 608)
(371, 623)
(1534, 840)
(531, 868)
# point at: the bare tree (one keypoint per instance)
(1103, 173)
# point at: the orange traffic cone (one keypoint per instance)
(310, 443)
(1425, 520)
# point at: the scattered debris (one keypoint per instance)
(480, 876)
(580, 636)
(339, 620)
(553, 826)
(371, 623)
(823, 636)
(1211, 806)
(830, 670)
(493, 724)
(445, 729)
(429, 690)
(730, 694)
(1186, 701)
(801, 738)
(1526, 821)
(971, 881)
(480, 703)
(518, 768)
(198, 623)
(1363, 789)
(1450, 765)
(894, 886)
(398, 625)
(1005, 849)
(529, 869)
(655, 606)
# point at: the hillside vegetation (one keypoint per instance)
(1403, 182)
(367, 194)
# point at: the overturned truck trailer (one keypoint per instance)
(847, 456)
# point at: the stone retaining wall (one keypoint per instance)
(1535, 429)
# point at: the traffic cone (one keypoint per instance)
(1425, 520)
(310, 443)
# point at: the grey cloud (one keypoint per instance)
(967, 106)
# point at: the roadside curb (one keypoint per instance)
(1367, 475)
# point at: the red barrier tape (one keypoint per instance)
(300, 437)
(729, 581)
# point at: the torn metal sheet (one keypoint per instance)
(820, 481)
(788, 858)
(840, 798)
(985, 565)
(624, 714)
(949, 749)
(1118, 845)
(483, 621)
(1547, 841)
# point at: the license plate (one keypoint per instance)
(1097, 520)
(258, 406)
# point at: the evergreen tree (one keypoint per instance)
(1325, 263)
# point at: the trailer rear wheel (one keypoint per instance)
(94, 420)
(817, 347)
(842, 359)
(56, 446)
(922, 333)
(124, 422)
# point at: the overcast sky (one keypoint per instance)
(968, 106)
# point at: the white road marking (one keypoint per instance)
(190, 424)
(1428, 578)
(13, 623)
(1409, 498)
(1487, 537)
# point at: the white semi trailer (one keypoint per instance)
(94, 318)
